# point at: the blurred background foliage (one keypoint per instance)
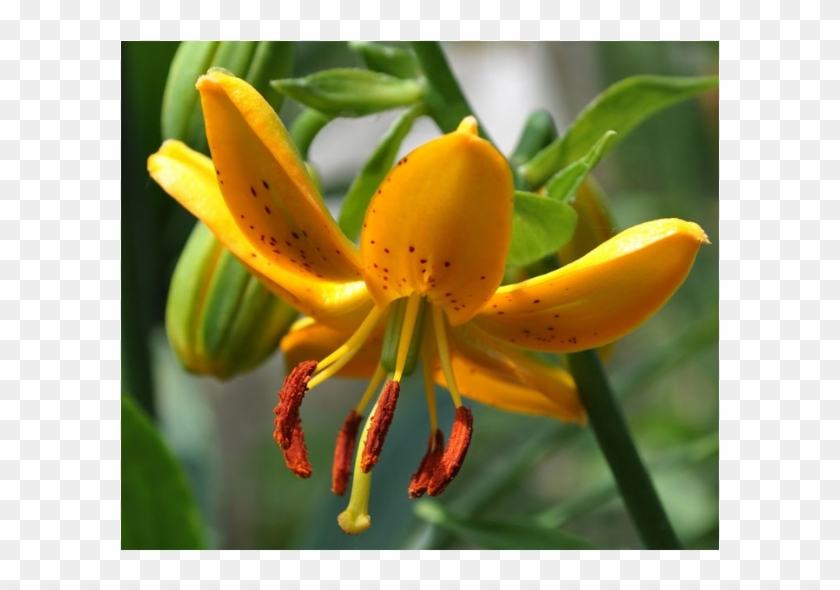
(521, 470)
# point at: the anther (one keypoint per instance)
(456, 450)
(343, 457)
(382, 417)
(295, 456)
(420, 480)
(291, 396)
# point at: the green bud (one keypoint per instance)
(538, 132)
(350, 92)
(220, 319)
(386, 59)
(256, 62)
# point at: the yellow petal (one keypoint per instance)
(191, 179)
(309, 341)
(599, 297)
(265, 184)
(440, 225)
(494, 373)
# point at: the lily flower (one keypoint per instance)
(423, 286)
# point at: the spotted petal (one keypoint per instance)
(265, 184)
(440, 225)
(599, 297)
(191, 179)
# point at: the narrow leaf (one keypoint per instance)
(373, 173)
(541, 225)
(350, 92)
(621, 107)
(387, 59)
(565, 183)
(499, 533)
(158, 509)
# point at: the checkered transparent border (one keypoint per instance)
(779, 308)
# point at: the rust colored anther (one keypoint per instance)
(343, 457)
(382, 417)
(295, 455)
(291, 396)
(456, 450)
(420, 480)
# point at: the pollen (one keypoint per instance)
(421, 479)
(382, 418)
(455, 452)
(343, 457)
(288, 408)
(296, 455)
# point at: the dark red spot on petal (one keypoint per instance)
(265, 184)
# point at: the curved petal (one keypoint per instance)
(599, 297)
(492, 372)
(440, 225)
(191, 179)
(265, 184)
(308, 341)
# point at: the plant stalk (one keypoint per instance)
(614, 438)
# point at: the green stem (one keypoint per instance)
(304, 129)
(444, 98)
(613, 435)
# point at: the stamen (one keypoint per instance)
(456, 451)
(343, 456)
(443, 353)
(291, 396)
(344, 353)
(406, 334)
(383, 414)
(429, 384)
(374, 384)
(421, 479)
(295, 456)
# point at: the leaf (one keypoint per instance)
(158, 509)
(350, 92)
(373, 173)
(621, 107)
(565, 183)
(386, 59)
(499, 533)
(541, 225)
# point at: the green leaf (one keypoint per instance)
(373, 173)
(541, 225)
(499, 533)
(621, 107)
(565, 183)
(350, 92)
(386, 59)
(539, 131)
(158, 509)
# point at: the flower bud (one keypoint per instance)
(220, 319)
(255, 62)
(350, 92)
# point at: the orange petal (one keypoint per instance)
(599, 297)
(440, 225)
(499, 375)
(191, 179)
(314, 341)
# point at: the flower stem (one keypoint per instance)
(304, 129)
(613, 435)
(444, 98)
